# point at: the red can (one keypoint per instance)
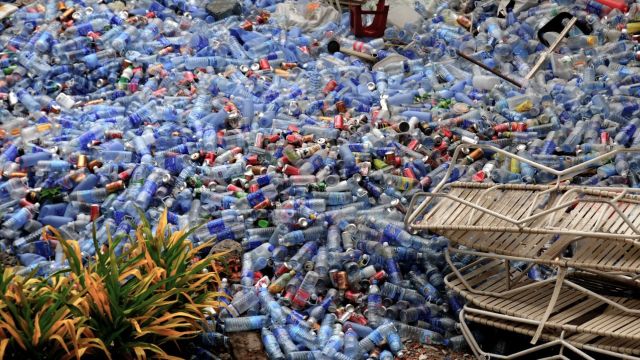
(253, 188)
(282, 270)
(288, 65)
(353, 296)
(293, 128)
(247, 25)
(252, 159)
(338, 122)
(413, 144)
(273, 138)
(263, 205)
(209, 158)
(290, 170)
(390, 157)
(259, 141)
(358, 318)
(408, 172)
(94, 212)
(233, 188)
(520, 126)
(125, 175)
(501, 127)
(604, 137)
(380, 275)
(330, 86)
(264, 64)
(295, 139)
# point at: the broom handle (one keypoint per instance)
(495, 72)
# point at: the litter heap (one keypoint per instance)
(245, 122)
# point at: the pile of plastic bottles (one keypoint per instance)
(306, 159)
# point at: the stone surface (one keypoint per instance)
(221, 9)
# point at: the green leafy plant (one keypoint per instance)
(154, 293)
(36, 321)
(126, 306)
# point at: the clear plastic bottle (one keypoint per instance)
(374, 305)
(282, 336)
(376, 337)
(326, 329)
(333, 346)
(242, 302)
(245, 323)
(302, 336)
(274, 310)
(271, 346)
(422, 336)
(306, 289)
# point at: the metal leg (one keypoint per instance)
(470, 289)
(508, 268)
(480, 354)
(552, 303)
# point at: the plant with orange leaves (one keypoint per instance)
(127, 306)
(36, 320)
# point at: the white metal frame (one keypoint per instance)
(616, 195)
(560, 176)
(560, 341)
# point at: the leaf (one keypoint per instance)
(49, 193)
(95, 343)
(36, 333)
(175, 237)
(15, 335)
(166, 332)
(140, 354)
(8, 319)
(173, 316)
(147, 346)
(131, 272)
(3, 347)
(70, 249)
(60, 341)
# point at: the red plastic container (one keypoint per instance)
(376, 29)
(615, 4)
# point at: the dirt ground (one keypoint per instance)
(247, 345)
(415, 351)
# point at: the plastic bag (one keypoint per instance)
(307, 16)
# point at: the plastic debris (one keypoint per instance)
(307, 159)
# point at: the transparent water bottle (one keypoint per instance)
(245, 323)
